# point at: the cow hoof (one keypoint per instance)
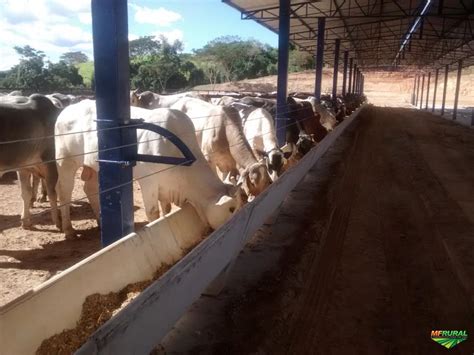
(42, 199)
(70, 232)
(26, 225)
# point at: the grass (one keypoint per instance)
(86, 70)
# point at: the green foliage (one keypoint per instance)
(157, 65)
(299, 60)
(86, 70)
(74, 58)
(230, 58)
(144, 46)
(34, 73)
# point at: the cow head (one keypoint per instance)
(254, 179)
(220, 212)
(135, 98)
(305, 143)
(274, 160)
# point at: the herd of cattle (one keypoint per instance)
(232, 138)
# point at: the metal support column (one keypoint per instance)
(362, 86)
(354, 79)
(427, 91)
(422, 91)
(282, 81)
(349, 86)
(110, 29)
(458, 87)
(344, 75)
(413, 94)
(357, 88)
(443, 104)
(417, 90)
(435, 90)
(319, 58)
(336, 68)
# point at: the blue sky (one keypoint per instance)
(58, 26)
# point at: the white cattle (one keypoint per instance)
(150, 100)
(214, 201)
(261, 135)
(222, 140)
(327, 119)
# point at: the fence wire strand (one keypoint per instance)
(136, 179)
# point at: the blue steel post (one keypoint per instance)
(344, 75)
(336, 68)
(354, 79)
(417, 91)
(435, 90)
(319, 58)
(456, 93)
(427, 91)
(413, 93)
(110, 29)
(282, 82)
(422, 90)
(349, 86)
(443, 103)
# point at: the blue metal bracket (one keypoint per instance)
(187, 159)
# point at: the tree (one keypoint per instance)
(73, 58)
(63, 75)
(33, 73)
(237, 59)
(144, 46)
(153, 71)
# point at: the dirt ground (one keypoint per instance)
(30, 257)
(369, 254)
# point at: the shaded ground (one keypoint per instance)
(366, 257)
(30, 257)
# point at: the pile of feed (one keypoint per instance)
(96, 310)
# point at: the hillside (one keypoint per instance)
(381, 88)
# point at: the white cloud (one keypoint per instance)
(160, 16)
(132, 37)
(39, 24)
(171, 35)
(85, 18)
(9, 58)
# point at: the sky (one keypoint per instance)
(59, 26)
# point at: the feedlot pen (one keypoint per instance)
(372, 251)
(368, 254)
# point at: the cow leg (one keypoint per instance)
(26, 193)
(34, 188)
(91, 188)
(165, 207)
(44, 192)
(66, 172)
(150, 198)
(51, 179)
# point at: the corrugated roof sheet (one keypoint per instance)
(374, 30)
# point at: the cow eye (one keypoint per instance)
(231, 209)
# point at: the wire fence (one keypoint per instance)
(136, 179)
(30, 165)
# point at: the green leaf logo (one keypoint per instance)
(448, 338)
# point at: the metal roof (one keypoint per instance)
(375, 30)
